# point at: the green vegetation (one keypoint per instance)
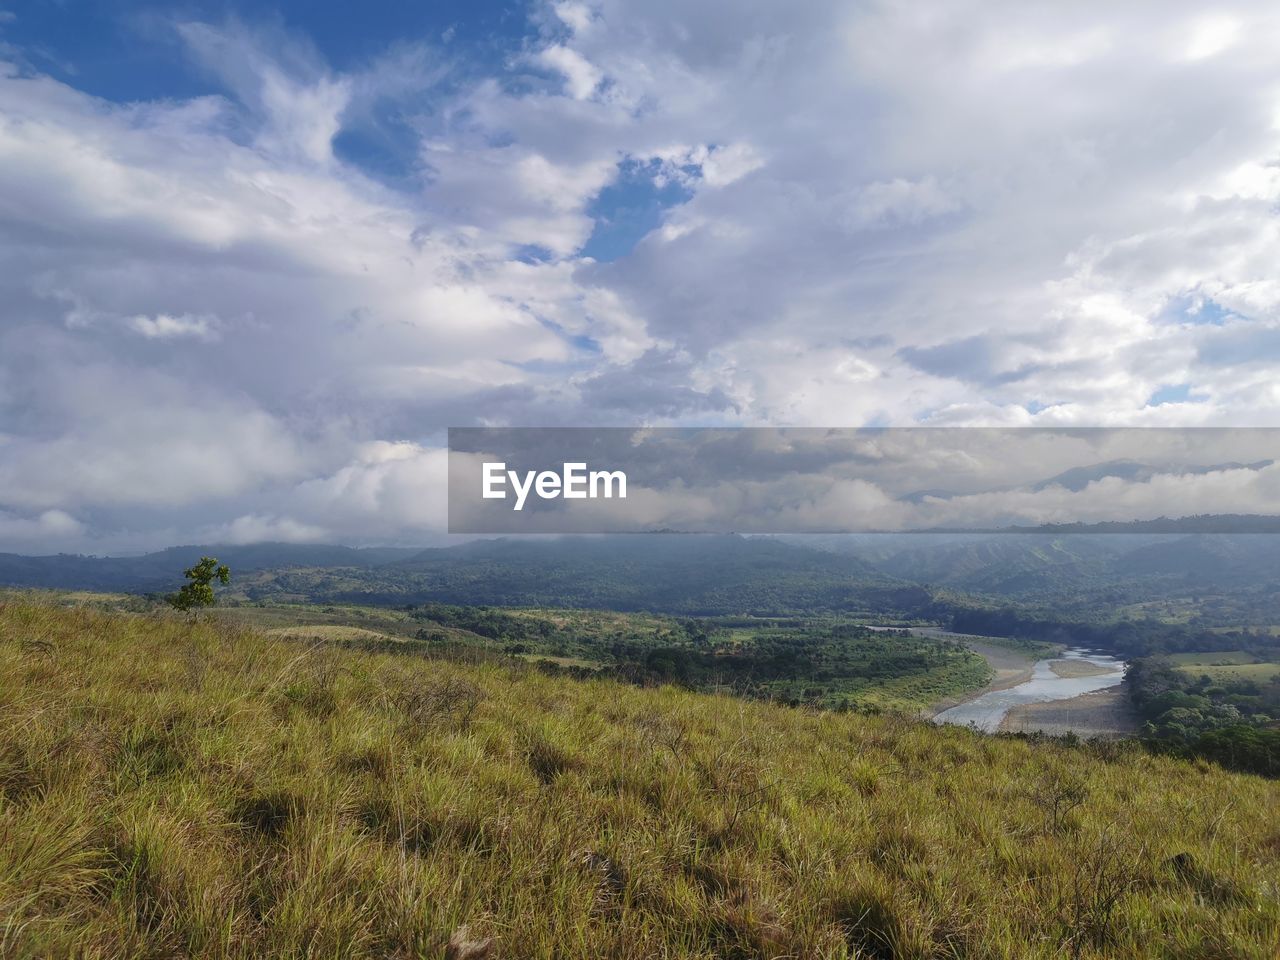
(1033, 649)
(685, 575)
(198, 591)
(818, 661)
(1231, 716)
(170, 788)
(1234, 671)
(1126, 637)
(1205, 658)
(1229, 665)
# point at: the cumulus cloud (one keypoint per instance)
(255, 528)
(581, 78)
(948, 213)
(45, 532)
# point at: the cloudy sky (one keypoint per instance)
(254, 260)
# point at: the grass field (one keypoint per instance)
(294, 616)
(1260, 672)
(176, 789)
(1212, 658)
(1226, 665)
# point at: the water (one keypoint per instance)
(986, 711)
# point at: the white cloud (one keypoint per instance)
(164, 326)
(254, 528)
(725, 165)
(576, 16)
(899, 201)
(389, 491)
(581, 78)
(56, 526)
(1211, 36)
(943, 212)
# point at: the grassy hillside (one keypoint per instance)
(169, 789)
(816, 661)
(155, 571)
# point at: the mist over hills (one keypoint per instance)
(1032, 564)
(1077, 478)
(673, 573)
(699, 574)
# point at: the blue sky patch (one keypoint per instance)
(629, 208)
(128, 52)
(124, 50)
(1174, 393)
(1199, 311)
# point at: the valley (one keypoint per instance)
(711, 749)
(916, 623)
(828, 663)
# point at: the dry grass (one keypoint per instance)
(171, 790)
(330, 633)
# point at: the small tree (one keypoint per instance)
(199, 592)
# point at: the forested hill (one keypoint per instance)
(159, 570)
(1072, 576)
(1049, 566)
(694, 573)
(668, 573)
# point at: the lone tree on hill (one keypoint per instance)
(199, 592)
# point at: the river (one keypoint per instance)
(987, 710)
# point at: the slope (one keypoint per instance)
(196, 789)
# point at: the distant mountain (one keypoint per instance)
(1077, 478)
(673, 573)
(897, 574)
(1021, 567)
(1210, 558)
(1209, 523)
(1040, 564)
(163, 569)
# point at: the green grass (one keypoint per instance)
(1212, 658)
(273, 616)
(171, 789)
(1261, 672)
(1032, 649)
(1226, 665)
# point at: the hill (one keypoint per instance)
(699, 575)
(673, 574)
(175, 788)
(158, 571)
(890, 574)
(1059, 566)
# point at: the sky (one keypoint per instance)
(255, 258)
